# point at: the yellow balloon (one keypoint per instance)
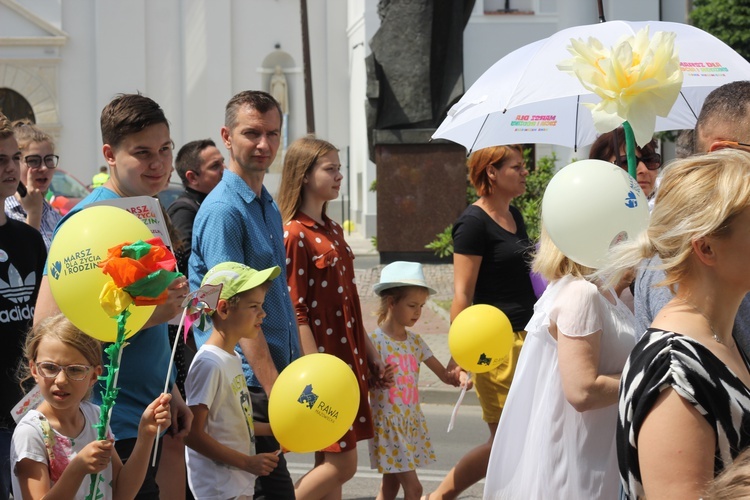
(313, 403)
(76, 280)
(348, 225)
(480, 337)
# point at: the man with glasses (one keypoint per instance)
(38, 163)
(724, 122)
(22, 256)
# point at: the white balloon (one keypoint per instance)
(591, 205)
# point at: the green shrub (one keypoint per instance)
(443, 244)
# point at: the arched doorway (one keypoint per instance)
(15, 106)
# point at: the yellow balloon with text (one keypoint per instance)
(313, 403)
(74, 276)
(480, 338)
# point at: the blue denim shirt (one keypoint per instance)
(233, 224)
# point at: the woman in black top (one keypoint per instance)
(491, 266)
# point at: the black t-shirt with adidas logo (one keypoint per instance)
(22, 257)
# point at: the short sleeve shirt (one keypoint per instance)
(22, 256)
(503, 279)
(36, 440)
(663, 360)
(216, 380)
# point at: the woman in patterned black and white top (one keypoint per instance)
(684, 410)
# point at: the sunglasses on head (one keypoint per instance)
(652, 161)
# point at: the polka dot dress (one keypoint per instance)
(320, 275)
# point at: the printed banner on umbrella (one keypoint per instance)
(525, 98)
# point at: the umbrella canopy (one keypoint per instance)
(525, 98)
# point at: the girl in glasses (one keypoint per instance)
(611, 147)
(38, 163)
(55, 449)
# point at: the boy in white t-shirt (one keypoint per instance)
(221, 459)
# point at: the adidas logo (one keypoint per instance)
(17, 289)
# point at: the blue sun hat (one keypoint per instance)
(402, 273)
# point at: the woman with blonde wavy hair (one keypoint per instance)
(684, 406)
(320, 275)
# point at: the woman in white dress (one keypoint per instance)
(556, 437)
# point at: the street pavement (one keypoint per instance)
(433, 326)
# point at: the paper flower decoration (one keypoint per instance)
(637, 80)
(140, 272)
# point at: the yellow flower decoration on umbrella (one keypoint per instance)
(637, 80)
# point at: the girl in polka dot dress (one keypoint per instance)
(402, 442)
(320, 275)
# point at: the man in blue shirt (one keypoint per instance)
(138, 148)
(239, 222)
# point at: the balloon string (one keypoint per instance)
(630, 149)
(166, 382)
(454, 414)
(109, 394)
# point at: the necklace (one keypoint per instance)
(708, 321)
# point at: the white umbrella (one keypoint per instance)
(525, 98)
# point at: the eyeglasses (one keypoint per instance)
(652, 161)
(48, 369)
(35, 161)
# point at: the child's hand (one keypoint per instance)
(157, 415)
(261, 464)
(386, 381)
(464, 380)
(389, 376)
(94, 457)
(453, 372)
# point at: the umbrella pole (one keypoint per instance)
(630, 149)
(601, 12)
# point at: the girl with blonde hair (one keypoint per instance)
(55, 448)
(402, 441)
